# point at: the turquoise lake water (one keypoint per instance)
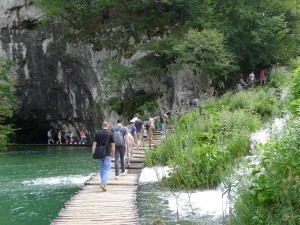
(37, 181)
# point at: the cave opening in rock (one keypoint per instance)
(33, 133)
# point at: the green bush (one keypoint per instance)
(273, 196)
(295, 104)
(7, 100)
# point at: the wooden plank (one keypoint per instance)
(116, 206)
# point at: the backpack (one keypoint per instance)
(147, 125)
(131, 129)
(118, 137)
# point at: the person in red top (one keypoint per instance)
(262, 77)
(82, 137)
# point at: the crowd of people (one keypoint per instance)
(133, 135)
(120, 140)
(251, 81)
(69, 137)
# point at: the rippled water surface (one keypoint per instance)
(37, 181)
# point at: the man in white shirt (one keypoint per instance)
(252, 78)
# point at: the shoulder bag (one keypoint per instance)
(100, 151)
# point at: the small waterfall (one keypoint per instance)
(263, 136)
(246, 165)
(195, 205)
(208, 206)
(154, 174)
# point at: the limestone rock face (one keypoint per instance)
(59, 84)
(55, 81)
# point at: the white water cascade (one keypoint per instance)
(208, 206)
(77, 180)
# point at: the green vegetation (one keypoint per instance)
(205, 146)
(258, 33)
(213, 38)
(273, 195)
(272, 191)
(295, 91)
(209, 54)
(127, 102)
(7, 100)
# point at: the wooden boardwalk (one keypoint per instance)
(116, 206)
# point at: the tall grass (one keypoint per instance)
(203, 146)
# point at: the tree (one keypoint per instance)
(7, 100)
(125, 87)
(258, 32)
(206, 52)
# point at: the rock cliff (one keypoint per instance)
(59, 82)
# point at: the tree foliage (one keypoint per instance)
(209, 54)
(295, 91)
(7, 100)
(123, 81)
(259, 32)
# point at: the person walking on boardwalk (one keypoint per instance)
(67, 136)
(151, 130)
(50, 137)
(121, 140)
(59, 137)
(82, 137)
(163, 118)
(132, 130)
(72, 136)
(104, 137)
(139, 125)
(252, 79)
(129, 146)
(262, 77)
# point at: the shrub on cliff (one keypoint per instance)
(7, 100)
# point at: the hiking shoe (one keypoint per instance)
(103, 187)
(124, 173)
(117, 177)
(131, 158)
